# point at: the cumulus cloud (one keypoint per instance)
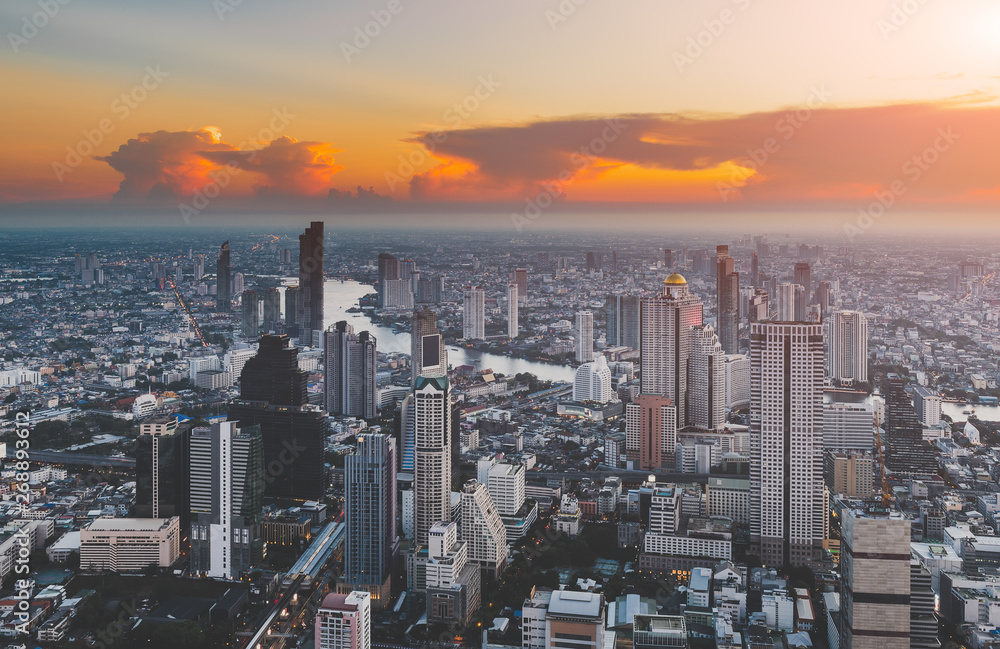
(169, 164)
(813, 152)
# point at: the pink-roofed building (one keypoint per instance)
(344, 621)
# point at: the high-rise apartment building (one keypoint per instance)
(226, 499)
(371, 544)
(344, 621)
(224, 281)
(349, 368)
(250, 323)
(875, 573)
(293, 299)
(273, 394)
(665, 342)
(650, 432)
(727, 283)
(482, 529)
(584, 336)
(737, 381)
(848, 347)
(432, 454)
(789, 309)
(706, 405)
(592, 382)
(563, 618)
(786, 441)
(453, 583)
(272, 309)
(622, 313)
(849, 474)
(474, 313)
(927, 406)
(161, 469)
(311, 279)
(520, 277)
(512, 324)
(906, 451)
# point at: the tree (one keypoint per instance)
(185, 634)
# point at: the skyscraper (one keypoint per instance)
(227, 487)
(272, 308)
(706, 380)
(428, 354)
(875, 572)
(372, 539)
(388, 267)
(224, 279)
(803, 277)
(584, 336)
(754, 270)
(668, 258)
(310, 282)
(512, 324)
(344, 621)
(906, 452)
(520, 277)
(849, 347)
(293, 297)
(665, 342)
(727, 284)
(273, 394)
(161, 470)
(788, 302)
(650, 432)
(349, 367)
(622, 312)
(786, 441)
(250, 323)
(432, 454)
(474, 313)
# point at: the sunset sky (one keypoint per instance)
(729, 102)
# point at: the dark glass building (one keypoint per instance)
(273, 395)
(224, 281)
(310, 282)
(161, 470)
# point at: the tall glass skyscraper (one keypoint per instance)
(372, 540)
(310, 282)
(224, 281)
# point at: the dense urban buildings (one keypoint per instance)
(432, 433)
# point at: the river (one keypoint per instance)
(340, 296)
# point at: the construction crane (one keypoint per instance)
(886, 492)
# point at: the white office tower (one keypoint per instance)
(786, 441)
(349, 367)
(584, 336)
(432, 454)
(235, 359)
(665, 342)
(706, 380)
(512, 311)
(737, 381)
(482, 530)
(788, 307)
(849, 347)
(344, 621)
(474, 314)
(227, 497)
(592, 382)
(848, 427)
(506, 486)
(453, 585)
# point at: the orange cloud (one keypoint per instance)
(941, 152)
(168, 164)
